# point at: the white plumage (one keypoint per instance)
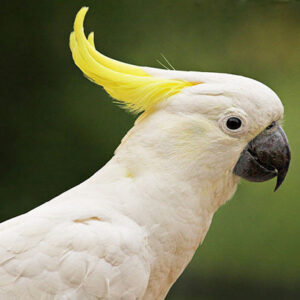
(129, 231)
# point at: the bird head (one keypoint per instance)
(214, 123)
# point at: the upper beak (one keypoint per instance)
(266, 156)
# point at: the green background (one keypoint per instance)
(57, 128)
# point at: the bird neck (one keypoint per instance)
(167, 165)
(158, 184)
(173, 208)
(171, 162)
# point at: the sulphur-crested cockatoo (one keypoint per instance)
(129, 231)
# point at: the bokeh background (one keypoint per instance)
(57, 128)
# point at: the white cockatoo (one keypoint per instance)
(129, 231)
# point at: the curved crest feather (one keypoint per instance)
(130, 85)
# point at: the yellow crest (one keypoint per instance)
(129, 84)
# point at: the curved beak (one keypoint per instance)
(266, 156)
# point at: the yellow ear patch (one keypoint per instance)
(129, 84)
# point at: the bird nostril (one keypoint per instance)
(270, 126)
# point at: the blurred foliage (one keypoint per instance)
(57, 128)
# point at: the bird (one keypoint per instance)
(129, 231)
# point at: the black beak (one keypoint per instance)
(266, 156)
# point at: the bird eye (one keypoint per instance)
(270, 126)
(233, 123)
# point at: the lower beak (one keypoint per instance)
(266, 156)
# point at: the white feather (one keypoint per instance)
(129, 231)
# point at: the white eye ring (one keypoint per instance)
(233, 124)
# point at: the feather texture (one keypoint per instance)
(130, 85)
(128, 232)
(61, 251)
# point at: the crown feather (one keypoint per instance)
(130, 85)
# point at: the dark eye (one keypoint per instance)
(270, 126)
(233, 123)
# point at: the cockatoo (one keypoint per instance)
(129, 231)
